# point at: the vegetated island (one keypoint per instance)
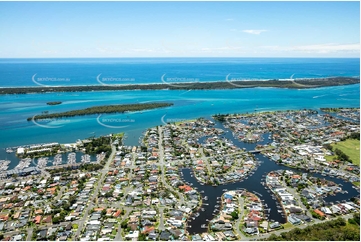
(294, 84)
(53, 103)
(102, 109)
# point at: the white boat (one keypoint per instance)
(9, 150)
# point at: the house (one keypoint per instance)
(319, 213)
(275, 225)
(42, 234)
(196, 237)
(293, 220)
(295, 210)
(176, 233)
(229, 233)
(250, 230)
(37, 219)
(47, 219)
(165, 235)
(152, 235)
(326, 210)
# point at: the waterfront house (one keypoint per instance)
(275, 225)
(293, 220)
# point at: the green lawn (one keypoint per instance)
(350, 147)
(287, 225)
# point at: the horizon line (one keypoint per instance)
(164, 57)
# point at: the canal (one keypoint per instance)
(252, 183)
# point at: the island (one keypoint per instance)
(53, 103)
(291, 83)
(102, 109)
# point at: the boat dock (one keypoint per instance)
(71, 158)
(29, 170)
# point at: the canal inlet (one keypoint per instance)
(251, 183)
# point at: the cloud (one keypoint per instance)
(317, 49)
(221, 49)
(254, 31)
(229, 19)
(327, 48)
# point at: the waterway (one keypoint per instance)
(251, 183)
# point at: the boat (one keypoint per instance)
(203, 226)
(206, 198)
(9, 150)
(197, 214)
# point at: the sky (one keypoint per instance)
(179, 29)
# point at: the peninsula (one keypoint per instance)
(291, 83)
(102, 109)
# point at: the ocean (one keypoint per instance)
(71, 72)
(188, 104)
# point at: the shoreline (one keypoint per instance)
(216, 85)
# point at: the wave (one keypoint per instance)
(319, 96)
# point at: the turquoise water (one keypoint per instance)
(15, 109)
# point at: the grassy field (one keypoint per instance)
(350, 147)
(287, 225)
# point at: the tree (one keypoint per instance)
(234, 215)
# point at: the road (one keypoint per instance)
(161, 163)
(240, 216)
(119, 237)
(95, 194)
(161, 219)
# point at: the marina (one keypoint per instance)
(4, 165)
(71, 158)
(58, 160)
(42, 162)
(24, 163)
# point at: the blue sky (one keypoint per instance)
(179, 29)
